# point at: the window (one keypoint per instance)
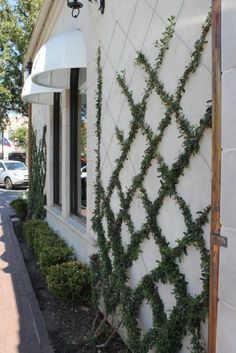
(15, 166)
(78, 146)
(56, 149)
(83, 156)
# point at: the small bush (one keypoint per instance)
(48, 247)
(21, 207)
(53, 254)
(32, 228)
(70, 281)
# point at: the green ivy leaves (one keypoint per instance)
(111, 266)
(37, 198)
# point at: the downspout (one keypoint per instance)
(216, 240)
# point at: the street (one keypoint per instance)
(22, 328)
(6, 196)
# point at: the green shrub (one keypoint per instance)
(42, 238)
(53, 254)
(21, 207)
(48, 247)
(33, 228)
(70, 281)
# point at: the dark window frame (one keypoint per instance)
(56, 148)
(74, 140)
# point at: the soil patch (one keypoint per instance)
(68, 325)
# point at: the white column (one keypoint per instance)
(226, 330)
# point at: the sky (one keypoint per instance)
(12, 2)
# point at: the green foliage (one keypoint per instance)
(21, 207)
(53, 253)
(37, 198)
(70, 281)
(110, 276)
(20, 137)
(83, 139)
(16, 25)
(31, 228)
(48, 247)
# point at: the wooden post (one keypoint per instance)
(216, 173)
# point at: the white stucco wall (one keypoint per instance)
(227, 299)
(125, 28)
(133, 26)
(40, 118)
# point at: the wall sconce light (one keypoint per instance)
(76, 5)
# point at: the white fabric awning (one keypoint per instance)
(33, 93)
(52, 64)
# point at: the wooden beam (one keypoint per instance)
(216, 174)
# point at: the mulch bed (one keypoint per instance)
(68, 325)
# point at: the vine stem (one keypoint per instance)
(113, 271)
(105, 344)
(99, 328)
(95, 320)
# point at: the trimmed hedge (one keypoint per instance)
(66, 278)
(70, 281)
(32, 228)
(21, 207)
(48, 247)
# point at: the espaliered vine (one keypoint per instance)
(102, 6)
(110, 267)
(38, 170)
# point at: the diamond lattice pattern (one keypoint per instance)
(147, 211)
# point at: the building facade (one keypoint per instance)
(154, 141)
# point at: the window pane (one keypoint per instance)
(83, 156)
(78, 146)
(56, 150)
(14, 166)
(74, 132)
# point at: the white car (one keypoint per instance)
(83, 174)
(13, 173)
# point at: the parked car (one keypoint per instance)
(13, 173)
(84, 172)
(17, 156)
(83, 176)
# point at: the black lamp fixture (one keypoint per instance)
(76, 5)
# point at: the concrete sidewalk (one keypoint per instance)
(22, 327)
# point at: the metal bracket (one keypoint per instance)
(217, 239)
